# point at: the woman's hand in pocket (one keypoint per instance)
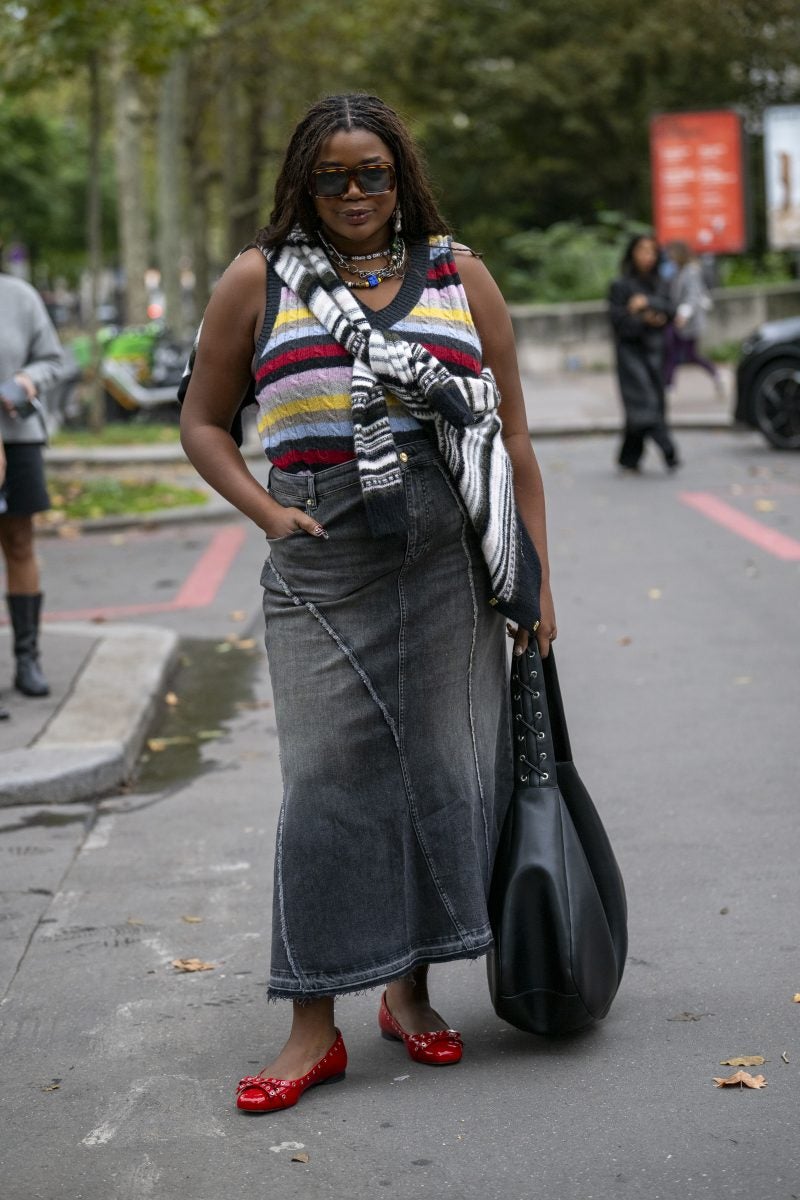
(282, 522)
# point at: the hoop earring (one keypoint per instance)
(398, 220)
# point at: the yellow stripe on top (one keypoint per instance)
(290, 316)
(443, 314)
(305, 406)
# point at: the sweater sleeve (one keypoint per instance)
(45, 356)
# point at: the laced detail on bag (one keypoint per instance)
(527, 731)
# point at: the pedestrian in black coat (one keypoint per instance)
(640, 309)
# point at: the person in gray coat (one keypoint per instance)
(640, 310)
(30, 360)
(692, 301)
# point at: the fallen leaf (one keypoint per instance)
(744, 1060)
(192, 920)
(784, 1056)
(208, 735)
(157, 744)
(765, 506)
(52, 1087)
(134, 921)
(171, 699)
(223, 647)
(192, 964)
(624, 641)
(689, 1016)
(238, 614)
(303, 1158)
(796, 997)
(723, 912)
(654, 593)
(740, 680)
(742, 1079)
(69, 531)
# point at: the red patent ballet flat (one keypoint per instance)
(437, 1049)
(260, 1094)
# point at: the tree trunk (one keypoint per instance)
(94, 236)
(171, 191)
(128, 120)
(228, 111)
(246, 213)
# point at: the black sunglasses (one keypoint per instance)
(371, 179)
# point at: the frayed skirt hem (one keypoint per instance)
(366, 984)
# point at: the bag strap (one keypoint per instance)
(555, 707)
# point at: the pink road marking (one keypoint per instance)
(203, 582)
(753, 531)
(197, 590)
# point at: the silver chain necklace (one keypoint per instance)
(396, 253)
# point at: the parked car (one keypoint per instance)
(768, 383)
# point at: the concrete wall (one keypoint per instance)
(557, 337)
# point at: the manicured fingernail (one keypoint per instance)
(320, 532)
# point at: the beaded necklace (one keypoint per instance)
(396, 253)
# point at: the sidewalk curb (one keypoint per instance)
(219, 510)
(91, 744)
(702, 423)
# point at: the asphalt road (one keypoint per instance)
(678, 652)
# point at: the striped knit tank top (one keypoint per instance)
(303, 376)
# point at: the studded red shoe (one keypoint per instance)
(437, 1049)
(260, 1094)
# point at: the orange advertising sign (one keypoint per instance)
(698, 180)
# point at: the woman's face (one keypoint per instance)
(355, 220)
(645, 256)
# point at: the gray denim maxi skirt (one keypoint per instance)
(389, 674)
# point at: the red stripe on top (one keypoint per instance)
(442, 269)
(456, 357)
(302, 354)
(327, 458)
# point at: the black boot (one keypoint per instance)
(24, 612)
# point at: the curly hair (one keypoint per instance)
(294, 204)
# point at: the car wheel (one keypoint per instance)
(776, 403)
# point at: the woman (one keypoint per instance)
(692, 303)
(640, 310)
(30, 360)
(388, 665)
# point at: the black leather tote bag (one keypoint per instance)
(557, 900)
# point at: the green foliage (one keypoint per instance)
(77, 499)
(746, 269)
(533, 116)
(130, 433)
(46, 208)
(566, 261)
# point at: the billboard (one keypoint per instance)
(782, 171)
(698, 179)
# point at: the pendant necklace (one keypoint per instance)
(396, 253)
